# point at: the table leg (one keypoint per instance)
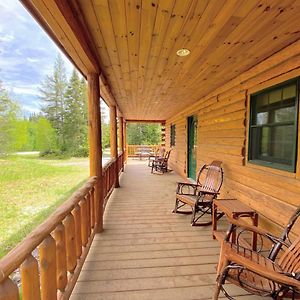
(214, 220)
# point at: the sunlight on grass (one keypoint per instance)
(30, 189)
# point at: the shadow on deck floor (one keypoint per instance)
(145, 251)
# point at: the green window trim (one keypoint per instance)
(172, 135)
(273, 126)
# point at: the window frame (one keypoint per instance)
(252, 110)
(172, 135)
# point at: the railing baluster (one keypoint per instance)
(69, 224)
(30, 279)
(77, 218)
(88, 214)
(84, 221)
(47, 252)
(92, 211)
(8, 290)
(61, 257)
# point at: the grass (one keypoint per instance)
(31, 189)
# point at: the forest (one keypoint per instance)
(61, 127)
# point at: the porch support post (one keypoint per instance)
(125, 141)
(121, 139)
(114, 140)
(163, 134)
(95, 152)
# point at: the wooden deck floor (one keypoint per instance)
(145, 251)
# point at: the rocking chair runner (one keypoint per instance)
(199, 196)
(274, 276)
(161, 164)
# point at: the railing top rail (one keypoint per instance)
(17, 255)
(108, 164)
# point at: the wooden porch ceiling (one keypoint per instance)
(134, 43)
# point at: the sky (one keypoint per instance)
(27, 55)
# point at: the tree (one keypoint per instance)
(53, 91)
(75, 127)
(8, 118)
(45, 136)
(143, 134)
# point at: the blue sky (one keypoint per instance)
(27, 55)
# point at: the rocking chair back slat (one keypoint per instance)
(290, 259)
(214, 178)
(285, 235)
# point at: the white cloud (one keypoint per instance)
(7, 38)
(32, 60)
(28, 89)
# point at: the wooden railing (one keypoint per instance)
(133, 150)
(109, 176)
(50, 258)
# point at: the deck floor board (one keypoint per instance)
(145, 251)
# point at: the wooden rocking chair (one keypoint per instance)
(161, 164)
(158, 155)
(274, 275)
(200, 196)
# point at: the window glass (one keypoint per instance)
(275, 96)
(285, 114)
(262, 118)
(289, 91)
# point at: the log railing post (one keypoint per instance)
(114, 140)
(30, 279)
(95, 145)
(47, 255)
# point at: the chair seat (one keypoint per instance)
(249, 280)
(191, 199)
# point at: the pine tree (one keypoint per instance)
(75, 130)
(53, 95)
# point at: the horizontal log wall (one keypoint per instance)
(222, 134)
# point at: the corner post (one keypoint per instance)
(95, 142)
(114, 141)
(121, 139)
(125, 141)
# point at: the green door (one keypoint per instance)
(192, 146)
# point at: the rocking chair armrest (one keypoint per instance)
(236, 223)
(195, 185)
(261, 270)
(181, 185)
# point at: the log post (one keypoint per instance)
(95, 145)
(125, 141)
(163, 134)
(114, 140)
(121, 139)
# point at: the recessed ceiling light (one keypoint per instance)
(183, 52)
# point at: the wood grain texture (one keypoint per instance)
(134, 43)
(145, 251)
(223, 134)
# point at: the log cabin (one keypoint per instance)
(222, 76)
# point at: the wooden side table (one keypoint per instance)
(234, 209)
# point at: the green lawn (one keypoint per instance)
(30, 189)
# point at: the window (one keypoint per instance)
(273, 126)
(173, 135)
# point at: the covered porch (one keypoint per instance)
(145, 251)
(214, 74)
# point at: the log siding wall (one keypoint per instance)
(223, 134)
